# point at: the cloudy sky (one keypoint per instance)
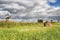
(29, 8)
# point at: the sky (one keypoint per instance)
(55, 3)
(29, 8)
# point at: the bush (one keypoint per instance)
(40, 21)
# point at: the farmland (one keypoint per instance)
(28, 31)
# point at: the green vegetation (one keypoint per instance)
(28, 31)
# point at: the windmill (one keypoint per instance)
(7, 18)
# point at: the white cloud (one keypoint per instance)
(53, 1)
(4, 13)
(29, 7)
(21, 15)
(14, 5)
(26, 2)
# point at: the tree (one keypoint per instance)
(40, 20)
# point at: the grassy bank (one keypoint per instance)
(29, 31)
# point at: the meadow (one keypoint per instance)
(29, 31)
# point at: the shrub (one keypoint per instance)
(40, 21)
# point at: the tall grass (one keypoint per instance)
(28, 31)
(52, 33)
(19, 24)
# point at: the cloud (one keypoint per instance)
(53, 1)
(4, 12)
(15, 6)
(28, 8)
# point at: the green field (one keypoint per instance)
(28, 31)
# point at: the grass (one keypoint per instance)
(29, 31)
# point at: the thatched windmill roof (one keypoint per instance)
(7, 17)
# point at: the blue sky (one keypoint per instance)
(56, 4)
